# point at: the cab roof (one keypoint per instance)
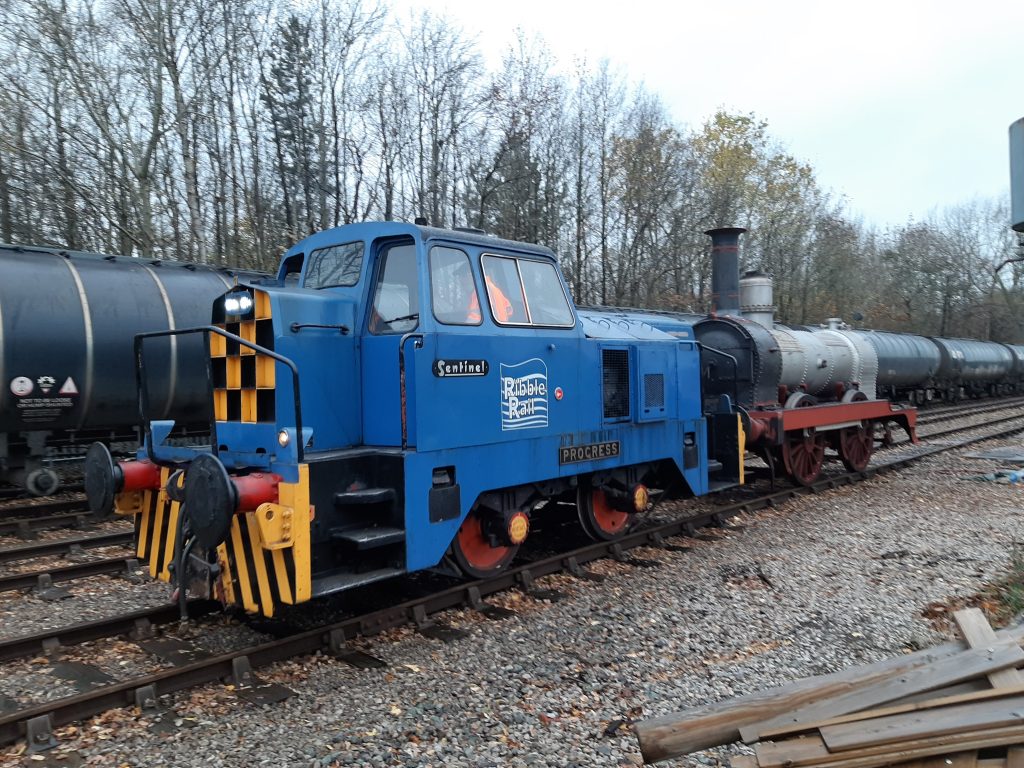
(367, 231)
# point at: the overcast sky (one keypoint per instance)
(900, 106)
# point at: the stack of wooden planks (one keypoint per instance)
(959, 705)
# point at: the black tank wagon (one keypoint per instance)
(67, 323)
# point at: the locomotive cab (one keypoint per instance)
(409, 398)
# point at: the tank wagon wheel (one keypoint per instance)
(803, 453)
(600, 521)
(475, 551)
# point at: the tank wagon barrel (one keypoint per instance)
(67, 321)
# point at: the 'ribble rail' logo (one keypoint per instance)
(524, 395)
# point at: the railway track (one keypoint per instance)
(65, 546)
(44, 577)
(25, 520)
(950, 413)
(36, 722)
(15, 494)
(115, 565)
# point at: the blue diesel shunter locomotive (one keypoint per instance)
(406, 398)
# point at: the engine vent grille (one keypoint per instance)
(615, 380)
(654, 390)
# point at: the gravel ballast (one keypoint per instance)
(823, 582)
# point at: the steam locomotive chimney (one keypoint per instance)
(725, 270)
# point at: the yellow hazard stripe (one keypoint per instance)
(296, 496)
(149, 501)
(226, 578)
(281, 571)
(243, 571)
(170, 536)
(260, 564)
(741, 439)
(158, 526)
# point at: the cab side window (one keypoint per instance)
(395, 296)
(338, 265)
(504, 291)
(544, 294)
(452, 289)
(526, 292)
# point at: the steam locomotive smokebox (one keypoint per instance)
(1017, 175)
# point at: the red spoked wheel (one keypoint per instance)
(475, 554)
(804, 454)
(599, 519)
(856, 444)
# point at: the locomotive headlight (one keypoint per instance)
(238, 304)
(283, 438)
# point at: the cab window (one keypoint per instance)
(526, 292)
(395, 296)
(504, 290)
(544, 295)
(290, 270)
(338, 265)
(452, 290)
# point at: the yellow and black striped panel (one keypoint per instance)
(257, 577)
(243, 381)
(156, 529)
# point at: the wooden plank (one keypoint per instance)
(945, 671)
(979, 633)
(743, 761)
(914, 726)
(1015, 757)
(811, 752)
(806, 750)
(719, 723)
(712, 725)
(943, 701)
(953, 760)
(971, 686)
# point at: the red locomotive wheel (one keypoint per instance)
(600, 521)
(473, 551)
(856, 444)
(804, 455)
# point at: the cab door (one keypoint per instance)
(495, 365)
(394, 313)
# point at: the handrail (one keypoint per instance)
(735, 369)
(206, 330)
(401, 381)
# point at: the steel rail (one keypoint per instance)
(137, 623)
(44, 508)
(102, 567)
(926, 417)
(25, 527)
(65, 546)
